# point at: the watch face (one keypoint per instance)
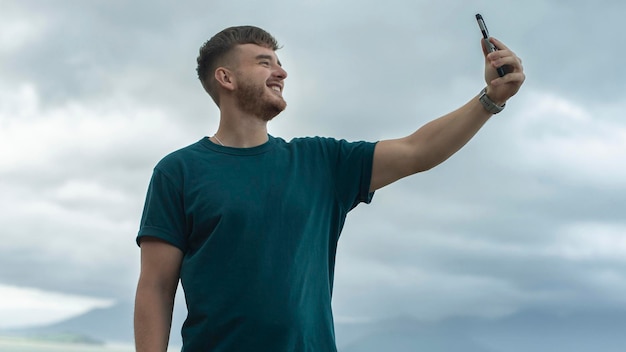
(489, 105)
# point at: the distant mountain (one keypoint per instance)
(537, 331)
(410, 335)
(112, 324)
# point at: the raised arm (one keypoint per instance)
(437, 140)
(154, 301)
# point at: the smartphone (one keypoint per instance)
(490, 47)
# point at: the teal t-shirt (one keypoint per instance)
(258, 228)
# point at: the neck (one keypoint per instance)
(240, 131)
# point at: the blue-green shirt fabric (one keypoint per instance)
(258, 228)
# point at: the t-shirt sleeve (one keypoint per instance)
(163, 214)
(354, 172)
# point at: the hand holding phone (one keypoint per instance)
(490, 47)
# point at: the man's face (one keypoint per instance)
(260, 81)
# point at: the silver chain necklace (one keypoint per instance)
(218, 140)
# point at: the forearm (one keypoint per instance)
(153, 318)
(439, 139)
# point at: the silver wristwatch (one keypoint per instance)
(488, 104)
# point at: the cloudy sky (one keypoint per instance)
(530, 215)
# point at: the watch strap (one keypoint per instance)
(488, 104)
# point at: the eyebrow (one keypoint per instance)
(268, 57)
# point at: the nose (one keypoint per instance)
(280, 72)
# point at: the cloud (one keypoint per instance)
(573, 142)
(386, 290)
(588, 241)
(17, 34)
(528, 214)
(21, 307)
(71, 176)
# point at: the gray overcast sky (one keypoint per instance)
(530, 215)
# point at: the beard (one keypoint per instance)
(254, 99)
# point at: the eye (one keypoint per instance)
(265, 63)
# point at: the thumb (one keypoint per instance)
(484, 47)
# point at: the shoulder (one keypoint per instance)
(176, 160)
(332, 144)
(313, 142)
(330, 149)
(306, 145)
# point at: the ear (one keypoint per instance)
(225, 78)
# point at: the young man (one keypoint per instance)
(249, 222)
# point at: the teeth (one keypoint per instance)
(276, 88)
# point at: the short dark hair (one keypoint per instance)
(216, 48)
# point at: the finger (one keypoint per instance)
(498, 44)
(513, 77)
(507, 60)
(499, 54)
(484, 47)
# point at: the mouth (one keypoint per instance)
(276, 87)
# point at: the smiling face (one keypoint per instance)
(260, 81)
